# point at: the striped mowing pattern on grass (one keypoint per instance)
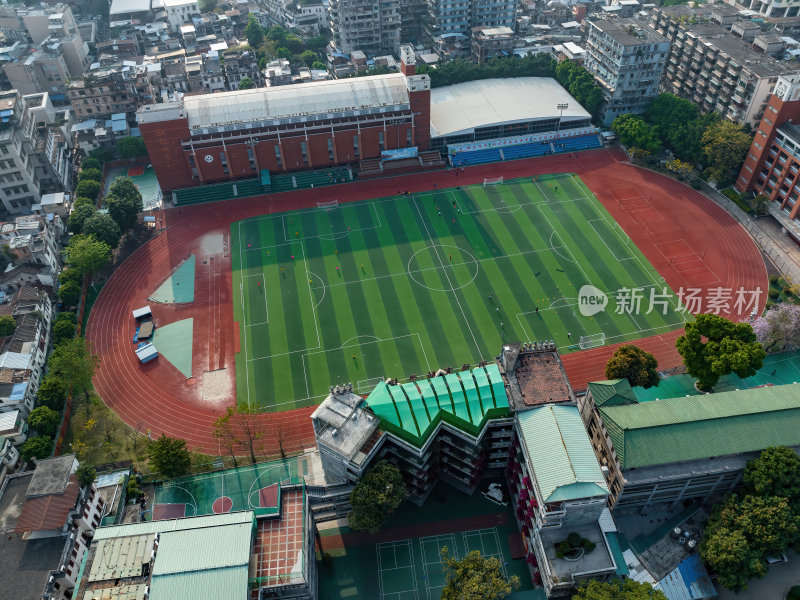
(402, 286)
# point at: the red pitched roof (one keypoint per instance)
(44, 513)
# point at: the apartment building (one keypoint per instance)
(450, 19)
(491, 42)
(626, 59)
(102, 93)
(373, 28)
(176, 12)
(772, 165)
(241, 64)
(717, 70)
(50, 521)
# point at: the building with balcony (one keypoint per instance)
(491, 42)
(373, 28)
(627, 60)
(176, 12)
(102, 93)
(772, 165)
(717, 70)
(666, 453)
(454, 19)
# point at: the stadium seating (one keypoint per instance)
(476, 157)
(526, 150)
(306, 179)
(582, 142)
(220, 191)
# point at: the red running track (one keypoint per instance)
(156, 398)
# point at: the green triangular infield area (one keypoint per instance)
(174, 342)
(178, 288)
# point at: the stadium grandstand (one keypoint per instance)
(260, 140)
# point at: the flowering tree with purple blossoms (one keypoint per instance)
(779, 328)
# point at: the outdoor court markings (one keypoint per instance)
(487, 542)
(430, 549)
(325, 236)
(690, 265)
(397, 577)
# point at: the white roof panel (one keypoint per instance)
(121, 7)
(8, 420)
(461, 108)
(320, 97)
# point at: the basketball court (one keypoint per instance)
(256, 487)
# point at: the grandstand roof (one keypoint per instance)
(461, 108)
(318, 98)
(465, 400)
(699, 427)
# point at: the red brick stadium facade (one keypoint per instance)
(234, 135)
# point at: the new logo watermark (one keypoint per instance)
(591, 300)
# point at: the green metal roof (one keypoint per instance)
(465, 400)
(612, 393)
(680, 429)
(561, 454)
(194, 550)
(220, 584)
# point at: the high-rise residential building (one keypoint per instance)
(715, 69)
(772, 165)
(34, 151)
(448, 18)
(372, 27)
(627, 60)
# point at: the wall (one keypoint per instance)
(163, 142)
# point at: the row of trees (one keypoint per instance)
(760, 521)
(581, 85)
(460, 70)
(716, 145)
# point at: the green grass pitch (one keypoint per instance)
(400, 286)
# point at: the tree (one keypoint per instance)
(81, 200)
(7, 325)
(679, 167)
(779, 328)
(633, 131)
(318, 66)
(88, 189)
(79, 215)
(63, 330)
(70, 275)
(104, 229)
(132, 146)
(475, 577)
(74, 363)
(759, 204)
(86, 474)
(308, 57)
(376, 496)
(246, 83)
(124, 202)
(91, 174)
(725, 144)
(254, 33)
(628, 589)
(240, 428)
(68, 316)
(38, 447)
(44, 420)
(52, 393)
(102, 154)
(729, 347)
(91, 163)
(634, 364)
(742, 531)
(169, 456)
(69, 293)
(776, 472)
(87, 254)
(205, 6)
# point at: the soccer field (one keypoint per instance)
(400, 286)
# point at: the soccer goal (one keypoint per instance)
(592, 341)
(492, 181)
(328, 206)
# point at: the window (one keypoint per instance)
(330, 149)
(408, 137)
(355, 145)
(304, 150)
(380, 140)
(278, 155)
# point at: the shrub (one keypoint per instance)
(774, 279)
(588, 545)
(134, 491)
(769, 304)
(574, 540)
(563, 548)
(773, 293)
